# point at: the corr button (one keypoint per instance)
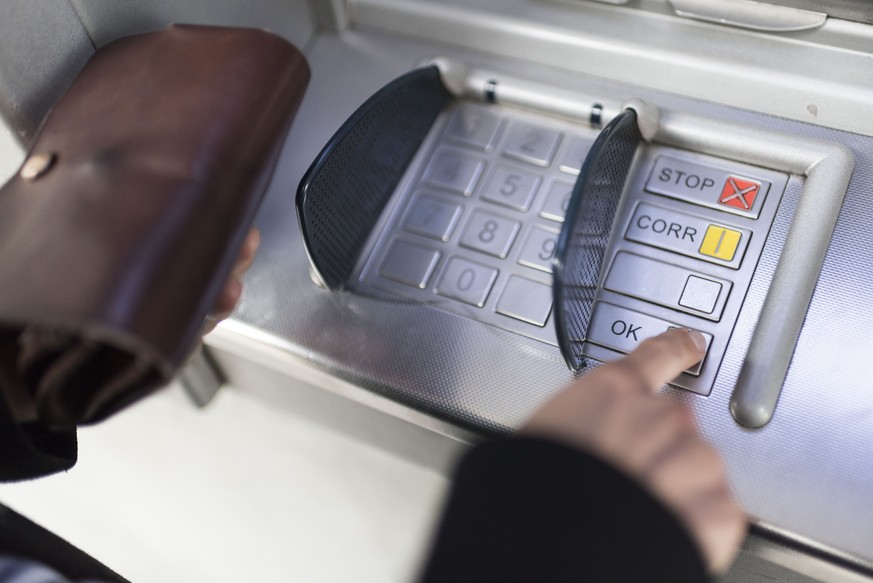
(720, 242)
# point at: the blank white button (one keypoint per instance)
(700, 294)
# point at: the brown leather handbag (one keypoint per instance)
(122, 225)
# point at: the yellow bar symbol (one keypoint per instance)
(720, 242)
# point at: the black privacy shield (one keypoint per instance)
(585, 235)
(346, 188)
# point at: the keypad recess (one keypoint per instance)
(475, 222)
(487, 194)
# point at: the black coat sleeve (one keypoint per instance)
(29, 450)
(525, 509)
(21, 538)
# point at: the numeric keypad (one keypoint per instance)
(483, 215)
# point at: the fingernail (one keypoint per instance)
(698, 339)
(219, 316)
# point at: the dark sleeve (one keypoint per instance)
(525, 509)
(21, 538)
(29, 450)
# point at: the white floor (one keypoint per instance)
(11, 153)
(240, 491)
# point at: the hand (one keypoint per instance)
(232, 290)
(614, 413)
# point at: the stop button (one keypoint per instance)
(722, 189)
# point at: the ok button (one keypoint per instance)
(627, 330)
(623, 330)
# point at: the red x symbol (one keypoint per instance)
(739, 193)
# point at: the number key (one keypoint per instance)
(433, 218)
(532, 144)
(473, 127)
(409, 264)
(454, 171)
(490, 234)
(573, 159)
(511, 187)
(539, 249)
(557, 201)
(466, 281)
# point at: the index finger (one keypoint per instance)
(247, 253)
(662, 358)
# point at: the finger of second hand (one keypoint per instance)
(657, 426)
(227, 299)
(247, 253)
(661, 359)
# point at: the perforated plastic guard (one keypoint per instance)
(346, 188)
(585, 235)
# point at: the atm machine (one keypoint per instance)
(466, 274)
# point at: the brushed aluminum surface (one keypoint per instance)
(749, 14)
(813, 76)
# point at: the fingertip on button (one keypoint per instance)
(698, 339)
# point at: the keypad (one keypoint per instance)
(489, 196)
(686, 244)
(475, 228)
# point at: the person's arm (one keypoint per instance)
(542, 506)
